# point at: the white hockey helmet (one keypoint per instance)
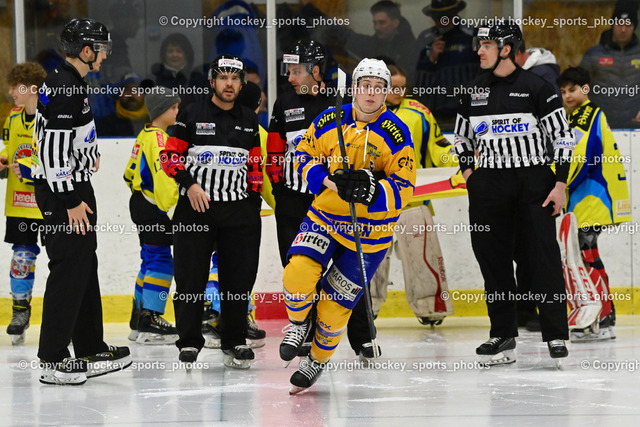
(369, 67)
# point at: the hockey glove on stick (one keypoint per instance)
(359, 186)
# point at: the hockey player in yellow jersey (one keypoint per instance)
(23, 216)
(154, 194)
(597, 190)
(422, 263)
(380, 182)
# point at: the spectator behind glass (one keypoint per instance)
(393, 36)
(176, 60)
(445, 59)
(175, 69)
(613, 64)
(541, 62)
(130, 115)
(126, 22)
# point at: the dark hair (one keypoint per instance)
(574, 75)
(396, 70)
(180, 40)
(392, 9)
(522, 47)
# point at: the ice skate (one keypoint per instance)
(154, 330)
(366, 353)
(305, 349)
(19, 321)
(601, 331)
(306, 375)
(296, 334)
(497, 351)
(188, 355)
(238, 357)
(112, 360)
(432, 321)
(210, 331)
(133, 322)
(255, 335)
(68, 372)
(558, 351)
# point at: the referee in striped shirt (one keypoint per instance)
(515, 123)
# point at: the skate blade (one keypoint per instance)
(213, 342)
(256, 343)
(558, 363)
(150, 338)
(295, 389)
(60, 378)
(504, 358)
(18, 339)
(602, 335)
(133, 335)
(231, 362)
(285, 363)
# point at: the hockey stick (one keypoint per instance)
(342, 82)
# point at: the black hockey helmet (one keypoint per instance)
(306, 52)
(82, 32)
(504, 33)
(227, 64)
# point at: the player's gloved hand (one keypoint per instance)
(359, 186)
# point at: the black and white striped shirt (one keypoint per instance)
(513, 122)
(217, 149)
(65, 145)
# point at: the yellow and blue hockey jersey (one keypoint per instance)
(597, 191)
(437, 151)
(17, 136)
(382, 145)
(144, 172)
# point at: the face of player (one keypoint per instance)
(175, 57)
(370, 94)
(384, 26)
(622, 34)
(227, 86)
(20, 93)
(302, 82)
(573, 95)
(398, 88)
(99, 56)
(488, 53)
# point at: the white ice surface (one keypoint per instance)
(531, 392)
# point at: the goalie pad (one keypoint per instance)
(583, 298)
(422, 264)
(380, 282)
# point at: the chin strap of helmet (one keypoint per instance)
(89, 63)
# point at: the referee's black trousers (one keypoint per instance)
(501, 203)
(233, 228)
(72, 308)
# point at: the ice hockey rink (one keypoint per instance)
(423, 376)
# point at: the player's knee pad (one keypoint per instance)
(22, 271)
(299, 279)
(23, 261)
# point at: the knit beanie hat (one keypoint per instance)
(159, 100)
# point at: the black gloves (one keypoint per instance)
(359, 186)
